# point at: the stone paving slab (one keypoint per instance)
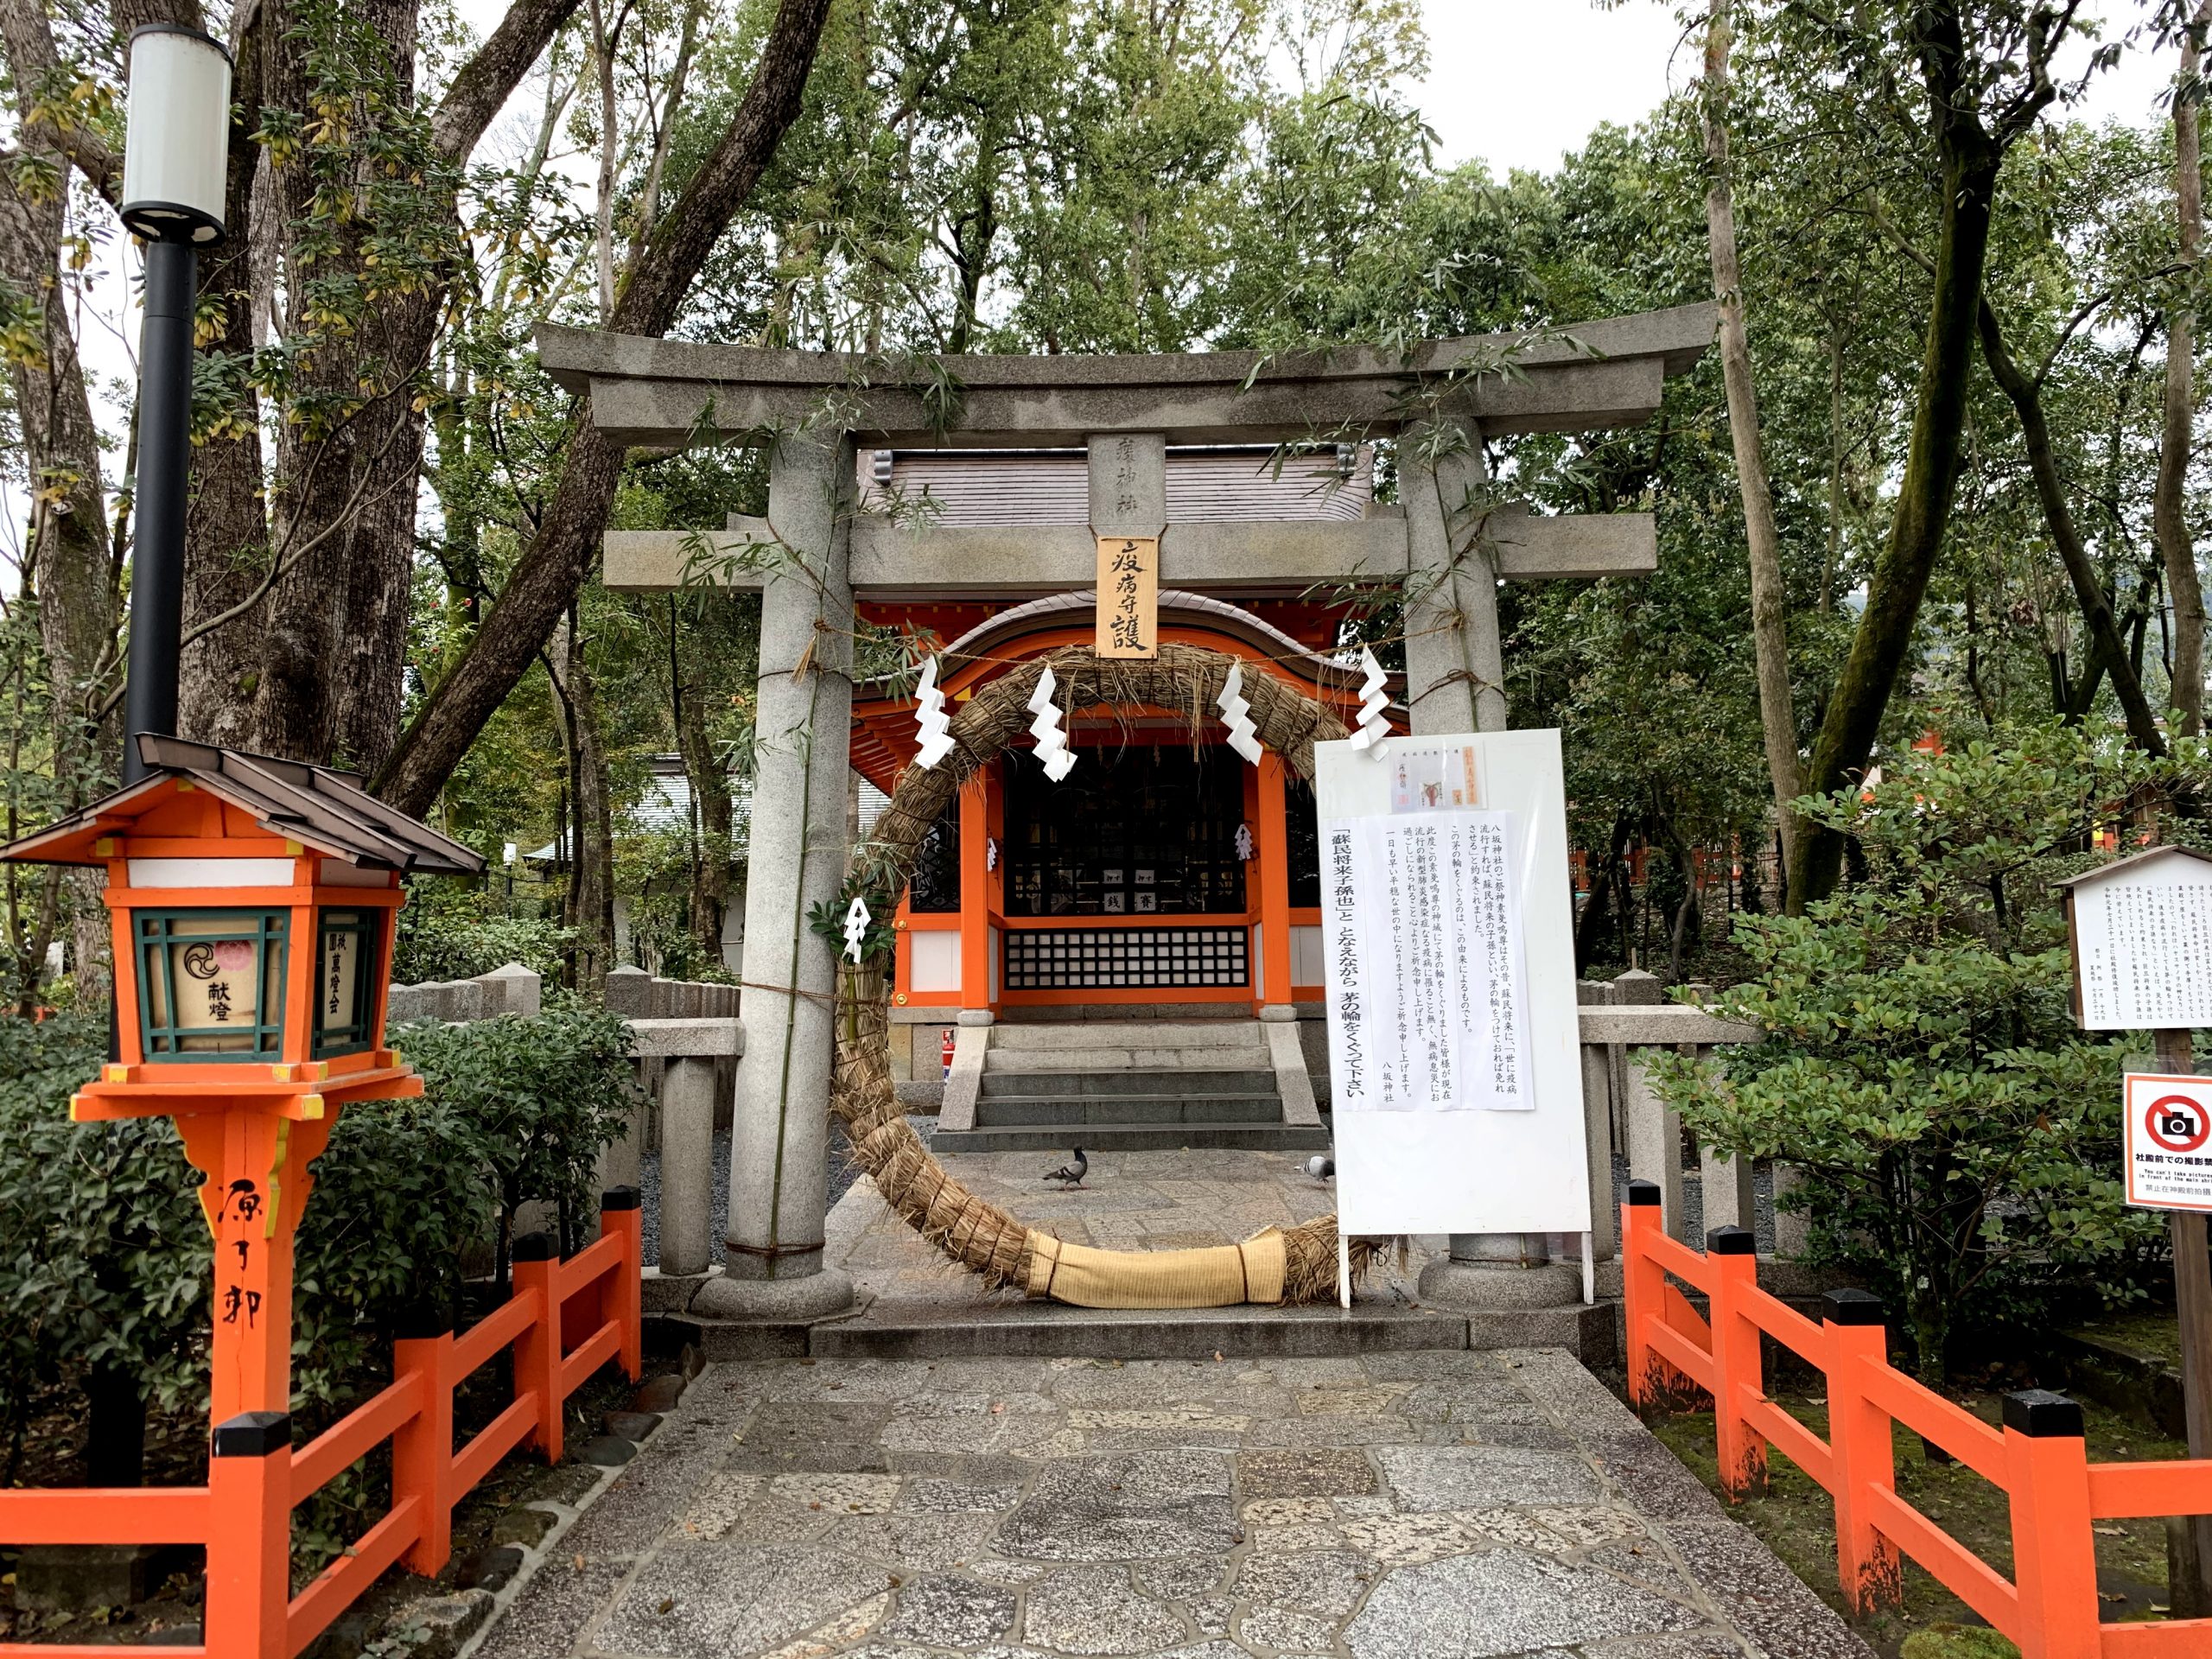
(1384, 1506)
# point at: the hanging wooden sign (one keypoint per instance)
(1128, 596)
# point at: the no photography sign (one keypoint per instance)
(2167, 1142)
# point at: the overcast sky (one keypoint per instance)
(1520, 82)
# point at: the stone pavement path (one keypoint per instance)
(1418, 1505)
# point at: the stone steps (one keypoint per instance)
(1137, 1085)
(1058, 1138)
(1001, 1083)
(1131, 1033)
(1088, 1060)
(1014, 1112)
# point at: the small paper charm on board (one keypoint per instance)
(1245, 842)
(1374, 731)
(1052, 751)
(935, 725)
(856, 921)
(1236, 714)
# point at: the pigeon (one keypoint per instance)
(1321, 1167)
(1070, 1174)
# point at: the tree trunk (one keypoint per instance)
(710, 802)
(1769, 603)
(2166, 511)
(226, 520)
(591, 888)
(1970, 161)
(558, 557)
(2106, 648)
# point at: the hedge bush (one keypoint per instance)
(104, 1258)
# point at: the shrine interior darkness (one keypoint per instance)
(1134, 831)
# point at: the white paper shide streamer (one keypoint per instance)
(1237, 714)
(1374, 731)
(856, 921)
(936, 725)
(1052, 751)
(1244, 844)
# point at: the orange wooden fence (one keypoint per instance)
(243, 1515)
(2039, 1459)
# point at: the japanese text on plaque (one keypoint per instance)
(1128, 596)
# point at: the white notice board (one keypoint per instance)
(2143, 942)
(1448, 927)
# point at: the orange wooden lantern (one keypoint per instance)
(252, 901)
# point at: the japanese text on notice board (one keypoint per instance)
(1427, 967)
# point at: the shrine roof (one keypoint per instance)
(316, 806)
(1060, 610)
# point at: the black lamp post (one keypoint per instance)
(175, 167)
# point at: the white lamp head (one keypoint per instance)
(176, 163)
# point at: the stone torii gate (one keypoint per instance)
(811, 412)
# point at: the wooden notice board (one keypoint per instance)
(1128, 596)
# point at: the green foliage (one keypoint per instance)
(104, 1258)
(1959, 1137)
(448, 930)
(825, 919)
(538, 1098)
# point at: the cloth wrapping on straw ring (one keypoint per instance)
(1220, 1276)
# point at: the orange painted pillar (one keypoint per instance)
(250, 1536)
(255, 1165)
(1738, 1375)
(2054, 1553)
(537, 1351)
(622, 1292)
(422, 1448)
(1867, 1563)
(1271, 839)
(1643, 1287)
(975, 889)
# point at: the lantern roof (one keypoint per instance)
(316, 806)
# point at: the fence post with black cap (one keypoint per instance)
(249, 1540)
(1862, 1447)
(2054, 1552)
(1737, 1374)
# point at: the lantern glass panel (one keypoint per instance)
(211, 983)
(345, 981)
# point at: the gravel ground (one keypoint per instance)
(842, 1173)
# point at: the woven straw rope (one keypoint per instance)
(980, 1236)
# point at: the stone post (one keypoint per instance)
(1455, 682)
(774, 1268)
(687, 1150)
(1654, 1145)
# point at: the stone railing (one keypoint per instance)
(1633, 1135)
(688, 1040)
(512, 990)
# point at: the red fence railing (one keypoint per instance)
(2039, 1459)
(243, 1515)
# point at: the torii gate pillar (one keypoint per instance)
(1455, 682)
(803, 723)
